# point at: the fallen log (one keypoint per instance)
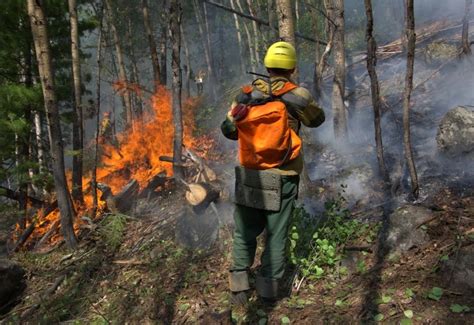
(17, 196)
(48, 234)
(122, 202)
(157, 180)
(207, 174)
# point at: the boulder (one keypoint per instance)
(12, 284)
(459, 271)
(404, 232)
(456, 132)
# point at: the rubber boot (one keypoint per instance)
(239, 286)
(267, 288)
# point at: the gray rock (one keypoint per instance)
(404, 233)
(459, 271)
(456, 132)
(12, 284)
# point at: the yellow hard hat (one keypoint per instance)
(281, 55)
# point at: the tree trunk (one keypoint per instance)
(175, 22)
(136, 100)
(249, 41)
(77, 124)
(43, 56)
(256, 34)
(95, 201)
(411, 39)
(374, 86)
(121, 62)
(338, 108)
(39, 141)
(188, 62)
(164, 43)
(466, 45)
(273, 31)
(151, 43)
(207, 55)
(239, 38)
(286, 25)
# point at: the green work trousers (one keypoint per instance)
(250, 222)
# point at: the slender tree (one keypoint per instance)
(175, 15)
(250, 45)
(155, 62)
(339, 85)
(95, 201)
(273, 30)
(411, 39)
(466, 45)
(120, 60)
(239, 38)
(77, 124)
(374, 86)
(187, 62)
(136, 100)
(256, 32)
(286, 24)
(165, 21)
(43, 56)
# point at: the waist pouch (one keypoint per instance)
(257, 189)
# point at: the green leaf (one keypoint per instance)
(378, 317)
(444, 258)
(406, 321)
(261, 313)
(456, 308)
(339, 303)
(184, 307)
(295, 236)
(262, 321)
(409, 292)
(408, 313)
(285, 320)
(386, 299)
(435, 293)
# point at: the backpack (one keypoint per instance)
(265, 139)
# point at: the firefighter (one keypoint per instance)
(265, 118)
(200, 82)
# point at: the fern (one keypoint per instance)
(113, 230)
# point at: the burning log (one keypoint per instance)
(200, 195)
(122, 202)
(48, 234)
(157, 180)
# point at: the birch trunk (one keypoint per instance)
(256, 34)
(43, 56)
(77, 123)
(466, 45)
(121, 62)
(339, 84)
(175, 15)
(374, 86)
(286, 25)
(249, 40)
(164, 43)
(239, 38)
(151, 43)
(411, 39)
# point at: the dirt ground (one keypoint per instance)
(148, 279)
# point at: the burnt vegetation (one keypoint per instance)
(116, 186)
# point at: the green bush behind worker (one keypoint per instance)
(250, 218)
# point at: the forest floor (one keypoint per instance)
(131, 271)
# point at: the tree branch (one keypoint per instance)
(261, 21)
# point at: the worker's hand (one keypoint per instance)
(229, 116)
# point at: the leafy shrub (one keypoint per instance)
(113, 229)
(316, 247)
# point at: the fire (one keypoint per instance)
(135, 155)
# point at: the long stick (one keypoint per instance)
(261, 21)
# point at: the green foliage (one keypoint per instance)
(456, 308)
(113, 229)
(435, 293)
(316, 248)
